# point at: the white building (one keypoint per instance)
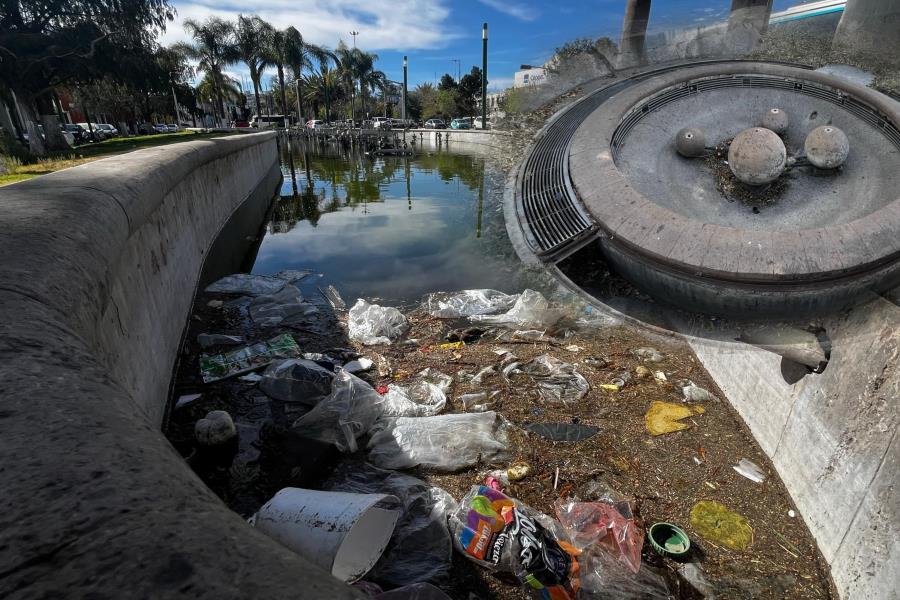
(528, 75)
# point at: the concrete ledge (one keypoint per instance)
(100, 264)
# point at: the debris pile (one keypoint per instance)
(453, 431)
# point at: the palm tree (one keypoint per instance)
(347, 64)
(251, 36)
(284, 48)
(305, 54)
(227, 86)
(213, 48)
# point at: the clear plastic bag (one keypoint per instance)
(426, 397)
(246, 284)
(557, 380)
(285, 308)
(416, 591)
(297, 380)
(607, 524)
(420, 549)
(348, 412)
(467, 303)
(372, 324)
(505, 535)
(443, 443)
(208, 340)
(604, 577)
(531, 311)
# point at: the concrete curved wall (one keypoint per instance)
(98, 272)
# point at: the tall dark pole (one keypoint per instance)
(484, 76)
(403, 106)
(634, 30)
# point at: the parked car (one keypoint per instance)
(381, 123)
(435, 124)
(172, 127)
(477, 124)
(315, 124)
(160, 128)
(99, 134)
(78, 134)
(240, 123)
(108, 130)
(145, 129)
(461, 123)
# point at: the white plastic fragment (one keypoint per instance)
(443, 443)
(531, 311)
(694, 393)
(750, 470)
(185, 400)
(373, 324)
(649, 354)
(426, 397)
(208, 340)
(467, 303)
(246, 284)
(359, 365)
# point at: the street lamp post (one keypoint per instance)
(484, 39)
(354, 34)
(403, 105)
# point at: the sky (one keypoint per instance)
(436, 33)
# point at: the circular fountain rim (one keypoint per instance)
(641, 226)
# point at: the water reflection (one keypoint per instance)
(393, 227)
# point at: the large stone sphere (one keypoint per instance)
(827, 147)
(757, 156)
(776, 120)
(690, 142)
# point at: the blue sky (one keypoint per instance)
(433, 33)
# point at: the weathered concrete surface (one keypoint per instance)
(99, 268)
(831, 436)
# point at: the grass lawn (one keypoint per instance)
(90, 152)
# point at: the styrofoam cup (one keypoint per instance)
(341, 532)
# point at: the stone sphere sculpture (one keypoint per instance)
(776, 120)
(827, 147)
(690, 142)
(757, 156)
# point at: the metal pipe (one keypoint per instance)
(484, 40)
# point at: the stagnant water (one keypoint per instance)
(393, 228)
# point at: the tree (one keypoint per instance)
(251, 36)
(469, 91)
(214, 48)
(447, 82)
(285, 48)
(50, 43)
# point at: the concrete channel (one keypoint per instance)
(101, 264)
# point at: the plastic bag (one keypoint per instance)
(416, 591)
(557, 380)
(502, 534)
(346, 413)
(468, 303)
(424, 398)
(531, 310)
(604, 577)
(372, 324)
(246, 284)
(208, 340)
(285, 308)
(443, 443)
(609, 524)
(297, 380)
(420, 548)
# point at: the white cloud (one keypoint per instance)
(495, 84)
(383, 24)
(518, 11)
